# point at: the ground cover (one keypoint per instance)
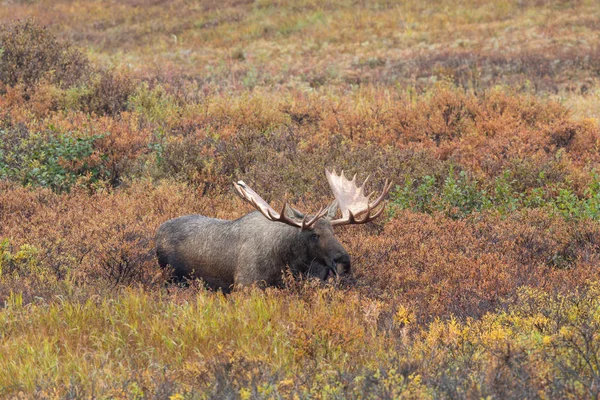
(481, 279)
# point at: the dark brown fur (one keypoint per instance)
(248, 250)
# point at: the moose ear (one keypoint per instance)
(292, 212)
(332, 210)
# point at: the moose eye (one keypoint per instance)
(314, 237)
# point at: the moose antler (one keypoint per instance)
(261, 205)
(352, 201)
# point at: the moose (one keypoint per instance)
(261, 245)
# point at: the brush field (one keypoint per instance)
(481, 280)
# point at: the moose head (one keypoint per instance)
(325, 254)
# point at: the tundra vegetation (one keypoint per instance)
(481, 280)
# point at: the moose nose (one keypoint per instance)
(342, 264)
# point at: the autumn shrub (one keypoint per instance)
(484, 137)
(123, 148)
(30, 53)
(155, 104)
(108, 93)
(466, 267)
(437, 265)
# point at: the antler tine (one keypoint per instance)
(322, 212)
(378, 213)
(303, 224)
(271, 216)
(351, 219)
(283, 208)
(386, 189)
(366, 217)
(239, 190)
(365, 183)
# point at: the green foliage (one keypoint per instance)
(459, 196)
(54, 161)
(156, 105)
(49, 168)
(505, 197)
(567, 203)
(591, 206)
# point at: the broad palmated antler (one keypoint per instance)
(352, 201)
(261, 205)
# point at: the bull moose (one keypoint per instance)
(259, 246)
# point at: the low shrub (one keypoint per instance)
(47, 160)
(437, 265)
(459, 195)
(30, 53)
(108, 93)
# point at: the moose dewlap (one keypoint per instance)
(261, 245)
